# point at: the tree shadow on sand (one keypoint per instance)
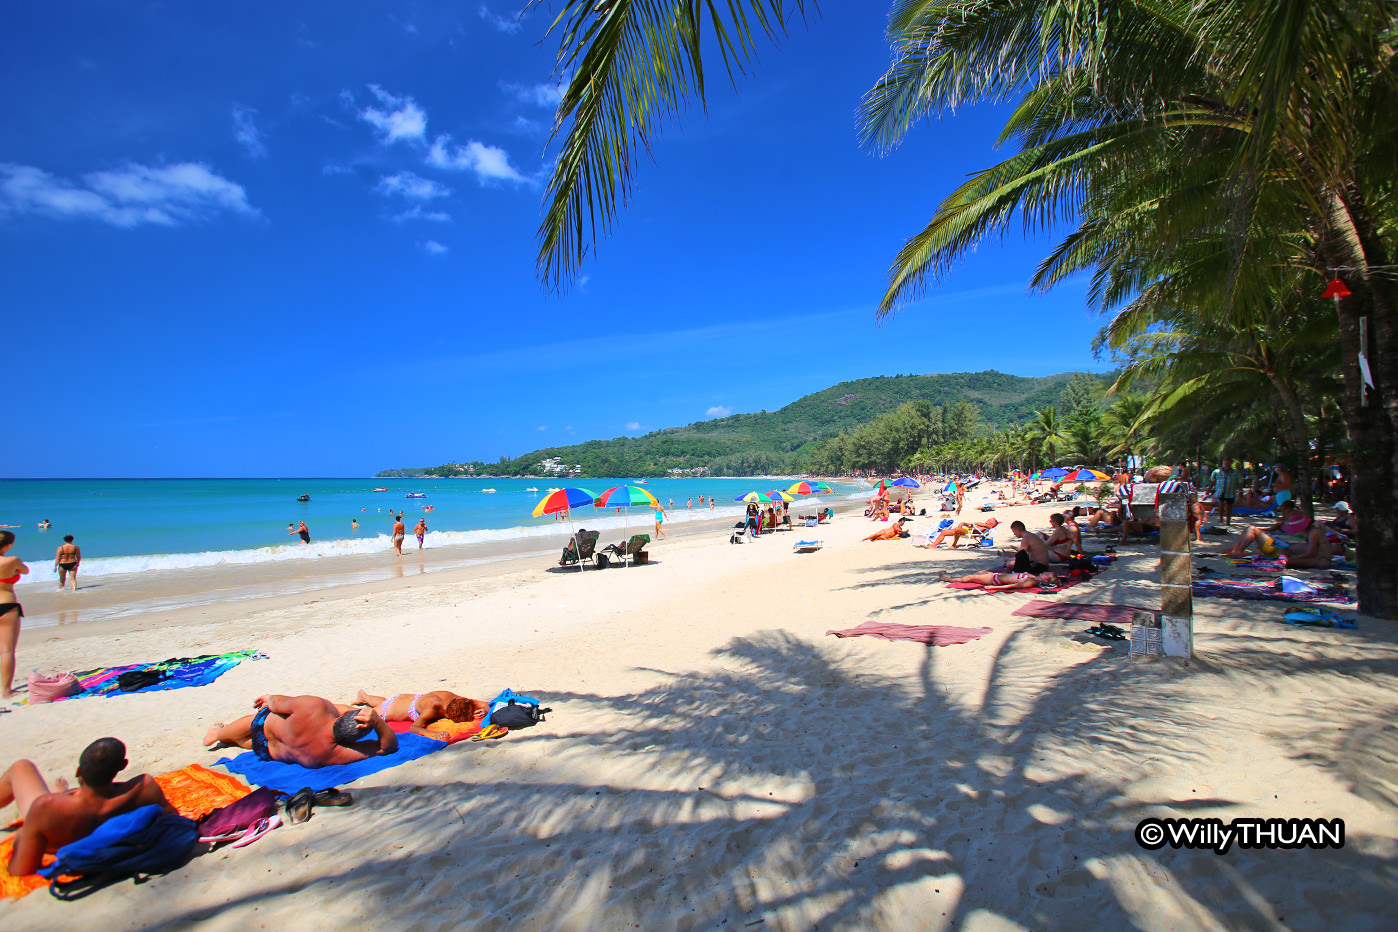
(792, 789)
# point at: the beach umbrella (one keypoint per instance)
(805, 488)
(779, 496)
(825, 487)
(565, 500)
(907, 482)
(750, 497)
(950, 486)
(626, 496)
(1086, 475)
(1054, 473)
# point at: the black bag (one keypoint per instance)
(132, 680)
(515, 715)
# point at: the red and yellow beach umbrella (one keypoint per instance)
(562, 500)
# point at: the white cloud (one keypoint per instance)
(398, 118)
(434, 248)
(509, 23)
(166, 195)
(417, 213)
(410, 186)
(247, 133)
(539, 95)
(487, 162)
(719, 411)
(542, 427)
(633, 425)
(529, 127)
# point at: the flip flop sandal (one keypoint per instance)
(333, 797)
(297, 807)
(490, 731)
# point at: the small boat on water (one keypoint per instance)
(416, 495)
(381, 490)
(487, 490)
(303, 498)
(531, 489)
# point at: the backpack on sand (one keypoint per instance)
(513, 711)
(139, 844)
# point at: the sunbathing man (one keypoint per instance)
(306, 730)
(1002, 582)
(52, 820)
(1033, 555)
(422, 709)
(957, 531)
(1293, 521)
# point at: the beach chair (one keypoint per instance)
(806, 546)
(581, 547)
(635, 549)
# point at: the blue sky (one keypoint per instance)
(298, 239)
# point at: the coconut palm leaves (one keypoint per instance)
(630, 65)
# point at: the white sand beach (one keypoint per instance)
(715, 760)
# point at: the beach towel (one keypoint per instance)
(443, 729)
(973, 587)
(1248, 589)
(288, 778)
(175, 673)
(194, 791)
(1078, 611)
(935, 635)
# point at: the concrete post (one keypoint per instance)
(1176, 576)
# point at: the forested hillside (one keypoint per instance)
(781, 441)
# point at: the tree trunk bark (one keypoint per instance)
(1300, 440)
(1371, 414)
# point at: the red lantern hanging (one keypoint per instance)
(1336, 290)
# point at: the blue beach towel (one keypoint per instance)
(288, 778)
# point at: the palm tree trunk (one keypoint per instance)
(1300, 440)
(1371, 414)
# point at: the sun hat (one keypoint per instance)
(1342, 506)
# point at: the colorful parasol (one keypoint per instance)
(626, 495)
(805, 488)
(907, 482)
(750, 497)
(562, 500)
(779, 496)
(1086, 475)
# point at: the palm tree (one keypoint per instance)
(1126, 421)
(1046, 434)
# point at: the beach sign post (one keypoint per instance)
(1176, 576)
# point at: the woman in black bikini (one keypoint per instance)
(11, 569)
(66, 561)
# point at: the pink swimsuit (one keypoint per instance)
(412, 707)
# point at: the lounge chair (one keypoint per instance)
(582, 545)
(635, 548)
(806, 546)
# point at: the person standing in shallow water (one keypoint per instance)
(659, 520)
(420, 531)
(399, 532)
(11, 569)
(304, 531)
(65, 563)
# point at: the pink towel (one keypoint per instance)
(1109, 614)
(936, 635)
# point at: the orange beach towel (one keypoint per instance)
(194, 791)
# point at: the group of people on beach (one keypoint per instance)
(65, 563)
(306, 730)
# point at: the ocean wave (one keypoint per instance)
(640, 521)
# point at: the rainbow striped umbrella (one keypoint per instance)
(1086, 475)
(806, 488)
(750, 497)
(779, 496)
(627, 495)
(562, 500)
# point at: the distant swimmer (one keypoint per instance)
(304, 531)
(689, 505)
(65, 563)
(398, 535)
(420, 531)
(45, 524)
(354, 524)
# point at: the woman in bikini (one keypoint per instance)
(1002, 582)
(11, 569)
(65, 563)
(422, 709)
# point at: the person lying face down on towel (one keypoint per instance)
(422, 709)
(1001, 582)
(306, 730)
(52, 820)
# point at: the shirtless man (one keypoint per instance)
(306, 730)
(420, 531)
(422, 709)
(52, 820)
(1033, 554)
(398, 534)
(1003, 582)
(956, 531)
(66, 561)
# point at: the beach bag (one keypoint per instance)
(140, 843)
(237, 817)
(48, 688)
(133, 680)
(513, 711)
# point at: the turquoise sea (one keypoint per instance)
(133, 525)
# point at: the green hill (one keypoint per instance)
(773, 441)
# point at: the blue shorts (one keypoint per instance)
(259, 740)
